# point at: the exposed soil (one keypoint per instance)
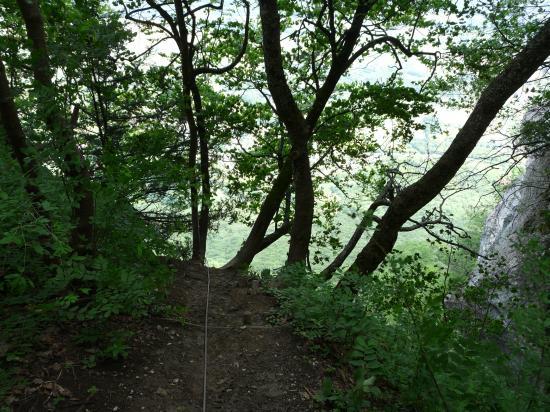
(251, 364)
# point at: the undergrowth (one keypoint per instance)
(44, 288)
(416, 339)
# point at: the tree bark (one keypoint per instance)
(416, 196)
(252, 244)
(82, 237)
(359, 230)
(180, 33)
(193, 187)
(206, 198)
(296, 126)
(193, 113)
(274, 236)
(21, 152)
(300, 233)
(17, 142)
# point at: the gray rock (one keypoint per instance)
(516, 219)
(272, 390)
(162, 392)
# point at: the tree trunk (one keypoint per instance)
(269, 207)
(198, 136)
(193, 186)
(187, 81)
(17, 141)
(416, 196)
(300, 234)
(206, 196)
(298, 130)
(274, 236)
(82, 237)
(359, 230)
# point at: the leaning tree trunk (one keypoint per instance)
(359, 230)
(419, 194)
(21, 152)
(298, 130)
(255, 239)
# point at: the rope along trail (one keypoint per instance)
(206, 337)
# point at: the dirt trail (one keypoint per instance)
(252, 366)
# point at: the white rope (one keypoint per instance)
(236, 327)
(206, 338)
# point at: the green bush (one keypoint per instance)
(42, 283)
(406, 349)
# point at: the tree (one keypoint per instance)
(303, 87)
(74, 164)
(412, 198)
(190, 29)
(17, 141)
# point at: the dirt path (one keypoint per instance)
(252, 366)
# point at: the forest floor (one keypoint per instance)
(252, 365)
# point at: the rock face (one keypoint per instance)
(518, 217)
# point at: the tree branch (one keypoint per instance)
(339, 63)
(238, 58)
(417, 195)
(283, 98)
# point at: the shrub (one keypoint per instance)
(406, 349)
